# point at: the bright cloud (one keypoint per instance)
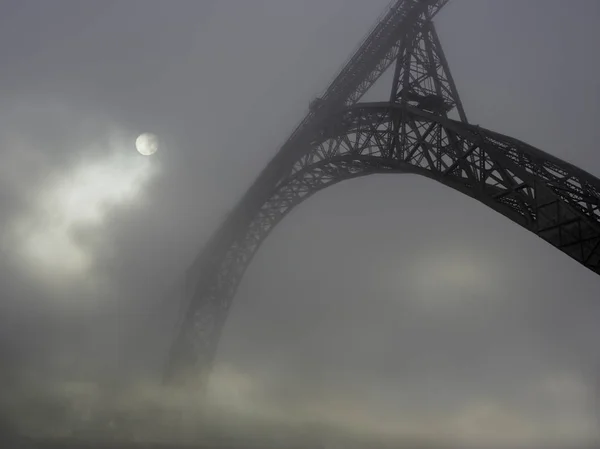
(47, 236)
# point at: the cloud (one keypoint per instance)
(240, 407)
(64, 186)
(50, 237)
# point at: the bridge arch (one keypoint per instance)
(553, 199)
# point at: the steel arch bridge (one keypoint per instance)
(410, 132)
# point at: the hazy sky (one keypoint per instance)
(391, 303)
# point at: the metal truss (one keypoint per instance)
(341, 139)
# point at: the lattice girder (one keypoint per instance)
(551, 198)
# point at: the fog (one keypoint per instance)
(387, 310)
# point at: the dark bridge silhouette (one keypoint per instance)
(410, 132)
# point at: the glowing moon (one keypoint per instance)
(146, 144)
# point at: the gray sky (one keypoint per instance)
(386, 304)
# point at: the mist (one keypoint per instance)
(386, 310)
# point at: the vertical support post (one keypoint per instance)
(446, 67)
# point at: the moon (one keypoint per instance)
(146, 144)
